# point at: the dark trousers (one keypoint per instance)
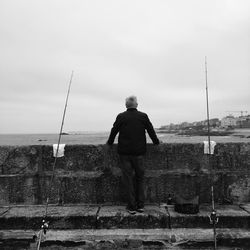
(133, 179)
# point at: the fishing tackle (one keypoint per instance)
(213, 216)
(45, 223)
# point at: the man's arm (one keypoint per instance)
(115, 129)
(151, 131)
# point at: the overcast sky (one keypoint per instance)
(152, 49)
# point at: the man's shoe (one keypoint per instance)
(140, 209)
(131, 211)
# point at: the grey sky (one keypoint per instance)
(152, 49)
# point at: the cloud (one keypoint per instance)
(153, 49)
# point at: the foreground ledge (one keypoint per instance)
(127, 238)
(116, 217)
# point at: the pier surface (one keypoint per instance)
(99, 226)
(89, 209)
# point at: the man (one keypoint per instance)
(131, 126)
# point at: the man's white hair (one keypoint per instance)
(131, 102)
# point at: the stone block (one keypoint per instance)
(76, 158)
(232, 216)
(111, 217)
(19, 160)
(177, 157)
(229, 217)
(179, 220)
(17, 189)
(59, 217)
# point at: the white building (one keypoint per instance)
(229, 121)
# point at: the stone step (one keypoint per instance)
(230, 216)
(116, 217)
(195, 238)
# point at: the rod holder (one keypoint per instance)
(214, 219)
(45, 226)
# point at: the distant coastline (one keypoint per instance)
(240, 133)
(95, 138)
(196, 132)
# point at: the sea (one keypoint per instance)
(100, 137)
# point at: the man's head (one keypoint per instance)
(131, 102)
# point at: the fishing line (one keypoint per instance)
(213, 217)
(45, 224)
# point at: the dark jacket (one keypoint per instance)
(131, 126)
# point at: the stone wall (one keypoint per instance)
(91, 174)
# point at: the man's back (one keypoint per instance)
(131, 126)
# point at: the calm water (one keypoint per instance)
(101, 138)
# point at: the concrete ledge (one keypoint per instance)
(195, 234)
(229, 216)
(117, 217)
(170, 235)
(59, 217)
(111, 217)
(128, 238)
(81, 217)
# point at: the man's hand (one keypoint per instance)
(160, 143)
(161, 147)
(107, 146)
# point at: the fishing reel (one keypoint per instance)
(213, 218)
(45, 226)
(41, 234)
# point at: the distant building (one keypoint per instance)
(184, 125)
(229, 121)
(243, 122)
(215, 122)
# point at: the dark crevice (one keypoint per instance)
(6, 211)
(241, 207)
(97, 217)
(169, 217)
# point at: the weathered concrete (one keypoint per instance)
(82, 217)
(111, 227)
(118, 217)
(168, 235)
(111, 217)
(230, 216)
(127, 239)
(245, 207)
(91, 174)
(30, 217)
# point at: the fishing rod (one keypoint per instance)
(45, 223)
(213, 216)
